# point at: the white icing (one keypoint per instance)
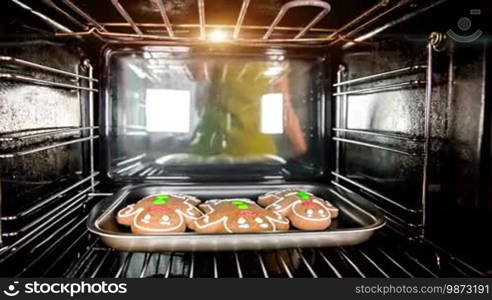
(241, 220)
(218, 201)
(165, 218)
(128, 211)
(264, 225)
(243, 225)
(180, 223)
(258, 220)
(309, 212)
(146, 219)
(321, 219)
(223, 219)
(189, 211)
(322, 212)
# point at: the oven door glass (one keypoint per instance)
(181, 115)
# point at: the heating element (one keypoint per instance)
(259, 34)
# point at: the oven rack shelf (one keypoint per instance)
(382, 75)
(26, 134)
(374, 259)
(5, 139)
(11, 76)
(372, 192)
(258, 34)
(25, 63)
(422, 153)
(37, 224)
(45, 227)
(48, 200)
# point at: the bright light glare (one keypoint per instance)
(272, 113)
(273, 71)
(217, 36)
(168, 110)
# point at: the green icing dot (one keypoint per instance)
(240, 204)
(303, 195)
(161, 199)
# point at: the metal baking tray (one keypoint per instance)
(357, 220)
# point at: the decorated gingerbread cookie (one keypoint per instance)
(163, 213)
(304, 210)
(238, 215)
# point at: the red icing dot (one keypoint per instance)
(247, 213)
(159, 208)
(308, 203)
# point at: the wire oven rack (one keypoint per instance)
(343, 90)
(68, 194)
(374, 259)
(260, 34)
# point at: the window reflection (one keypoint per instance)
(272, 113)
(167, 110)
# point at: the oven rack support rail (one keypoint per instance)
(25, 142)
(107, 31)
(374, 259)
(342, 94)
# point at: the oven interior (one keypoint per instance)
(392, 105)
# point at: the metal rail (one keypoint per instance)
(42, 203)
(16, 77)
(126, 16)
(32, 235)
(361, 17)
(51, 4)
(165, 18)
(22, 62)
(10, 136)
(42, 17)
(240, 19)
(84, 15)
(375, 193)
(371, 21)
(427, 134)
(349, 141)
(217, 26)
(370, 260)
(43, 148)
(298, 3)
(388, 215)
(201, 16)
(381, 75)
(383, 88)
(384, 134)
(77, 199)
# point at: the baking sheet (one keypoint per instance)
(357, 220)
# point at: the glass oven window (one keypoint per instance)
(181, 114)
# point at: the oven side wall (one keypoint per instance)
(457, 210)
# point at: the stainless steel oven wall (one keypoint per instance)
(44, 142)
(386, 163)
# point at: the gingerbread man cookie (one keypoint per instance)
(238, 215)
(163, 213)
(304, 210)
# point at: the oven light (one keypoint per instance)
(217, 36)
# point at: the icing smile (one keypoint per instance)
(159, 208)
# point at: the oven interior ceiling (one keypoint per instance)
(97, 97)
